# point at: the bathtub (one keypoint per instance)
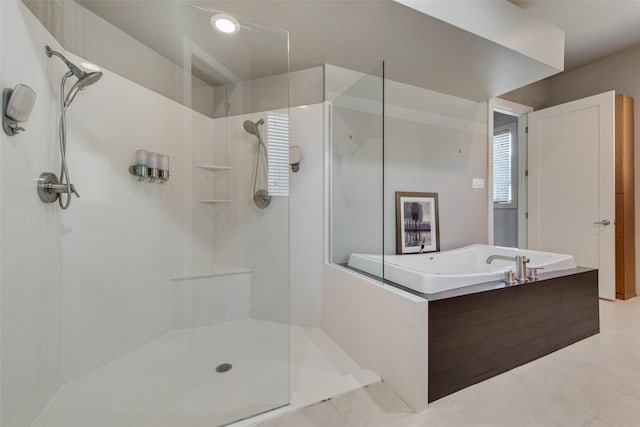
(441, 271)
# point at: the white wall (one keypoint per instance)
(244, 235)
(356, 179)
(210, 299)
(437, 143)
(247, 237)
(617, 72)
(114, 251)
(31, 262)
(307, 130)
(380, 327)
(123, 239)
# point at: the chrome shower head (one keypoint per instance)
(87, 80)
(73, 68)
(252, 127)
(84, 79)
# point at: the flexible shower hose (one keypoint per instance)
(255, 175)
(64, 170)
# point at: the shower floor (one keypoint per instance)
(172, 381)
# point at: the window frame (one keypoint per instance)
(513, 129)
(278, 154)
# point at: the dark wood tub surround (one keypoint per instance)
(481, 331)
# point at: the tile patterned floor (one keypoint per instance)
(594, 383)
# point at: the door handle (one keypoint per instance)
(603, 222)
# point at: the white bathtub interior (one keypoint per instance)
(440, 271)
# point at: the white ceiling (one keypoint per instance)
(357, 34)
(593, 28)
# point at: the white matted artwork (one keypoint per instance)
(417, 228)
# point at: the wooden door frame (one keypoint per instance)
(518, 110)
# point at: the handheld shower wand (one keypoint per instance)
(50, 189)
(84, 78)
(261, 198)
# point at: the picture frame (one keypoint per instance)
(417, 223)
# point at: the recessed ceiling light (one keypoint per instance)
(225, 23)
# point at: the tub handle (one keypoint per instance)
(533, 273)
(509, 277)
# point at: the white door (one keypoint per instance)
(571, 184)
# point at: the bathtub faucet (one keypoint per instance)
(521, 264)
(502, 257)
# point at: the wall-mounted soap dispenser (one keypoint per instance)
(152, 167)
(17, 104)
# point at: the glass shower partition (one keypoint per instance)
(357, 174)
(150, 301)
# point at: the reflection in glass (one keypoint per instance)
(357, 151)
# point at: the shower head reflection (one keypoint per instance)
(252, 127)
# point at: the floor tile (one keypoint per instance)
(587, 390)
(469, 407)
(322, 414)
(376, 405)
(531, 405)
(596, 422)
(624, 414)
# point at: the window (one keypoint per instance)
(504, 166)
(278, 149)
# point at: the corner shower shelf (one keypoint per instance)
(214, 167)
(214, 201)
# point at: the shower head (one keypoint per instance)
(252, 127)
(84, 79)
(87, 80)
(73, 68)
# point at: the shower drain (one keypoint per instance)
(223, 367)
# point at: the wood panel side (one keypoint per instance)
(620, 246)
(477, 336)
(625, 197)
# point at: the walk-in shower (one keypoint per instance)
(140, 291)
(49, 188)
(261, 197)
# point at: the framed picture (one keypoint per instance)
(417, 223)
